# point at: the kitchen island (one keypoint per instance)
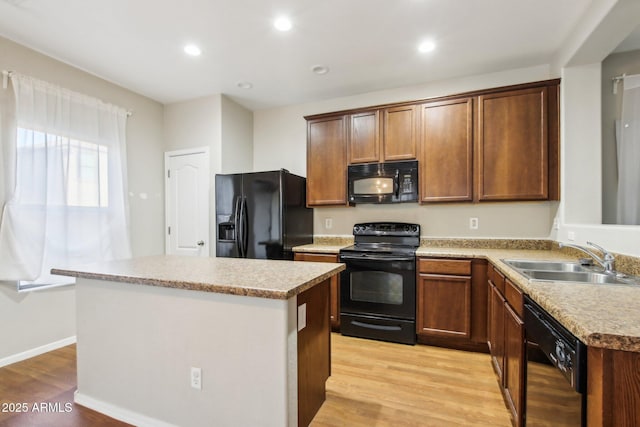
(168, 340)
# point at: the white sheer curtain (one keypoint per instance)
(628, 144)
(65, 183)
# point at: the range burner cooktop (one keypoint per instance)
(385, 238)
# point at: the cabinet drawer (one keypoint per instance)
(303, 256)
(457, 267)
(497, 278)
(513, 295)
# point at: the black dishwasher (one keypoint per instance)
(556, 371)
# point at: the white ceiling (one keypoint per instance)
(367, 44)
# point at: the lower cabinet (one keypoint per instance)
(334, 285)
(506, 341)
(452, 303)
(314, 352)
(514, 354)
(495, 327)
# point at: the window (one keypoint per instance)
(84, 168)
(68, 204)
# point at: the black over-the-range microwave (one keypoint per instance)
(390, 182)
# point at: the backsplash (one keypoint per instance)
(623, 263)
(530, 244)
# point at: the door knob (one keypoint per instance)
(200, 243)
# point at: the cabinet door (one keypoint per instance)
(327, 161)
(496, 330)
(444, 305)
(513, 145)
(514, 354)
(446, 151)
(400, 133)
(364, 137)
(334, 284)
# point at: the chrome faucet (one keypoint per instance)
(606, 261)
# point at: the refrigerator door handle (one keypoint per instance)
(236, 224)
(245, 227)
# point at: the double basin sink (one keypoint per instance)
(568, 271)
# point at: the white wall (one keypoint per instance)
(222, 125)
(580, 209)
(236, 138)
(39, 318)
(280, 142)
(246, 348)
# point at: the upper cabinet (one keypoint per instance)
(446, 155)
(327, 161)
(364, 137)
(513, 147)
(399, 132)
(383, 135)
(498, 144)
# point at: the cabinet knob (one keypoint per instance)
(200, 243)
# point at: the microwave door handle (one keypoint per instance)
(396, 184)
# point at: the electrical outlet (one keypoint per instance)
(328, 223)
(302, 316)
(556, 224)
(571, 235)
(196, 378)
(473, 223)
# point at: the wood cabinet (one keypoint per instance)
(513, 145)
(495, 327)
(451, 302)
(444, 307)
(506, 341)
(613, 387)
(334, 284)
(314, 352)
(327, 161)
(446, 155)
(514, 357)
(382, 135)
(399, 132)
(499, 144)
(364, 137)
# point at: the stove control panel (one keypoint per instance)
(400, 229)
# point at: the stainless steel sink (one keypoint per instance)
(568, 271)
(574, 276)
(544, 265)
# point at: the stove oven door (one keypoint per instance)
(377, 297)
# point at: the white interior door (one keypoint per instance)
(187, 202)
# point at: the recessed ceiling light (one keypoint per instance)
(320, 69)
(282, 23)
(192, 50)
(245, 85)
(427, 46)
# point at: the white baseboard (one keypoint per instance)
(37, 351)
(118, 413)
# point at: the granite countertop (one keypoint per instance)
(248, 277)
(606, 316)
(601, 315)
(321, 248)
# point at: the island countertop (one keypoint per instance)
(272, 279)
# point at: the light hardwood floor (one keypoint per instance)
(372, 384)
(375, 383)
(49, 380)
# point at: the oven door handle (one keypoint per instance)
(377, 327)
(374, 258)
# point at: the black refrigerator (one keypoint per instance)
(261, 215)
